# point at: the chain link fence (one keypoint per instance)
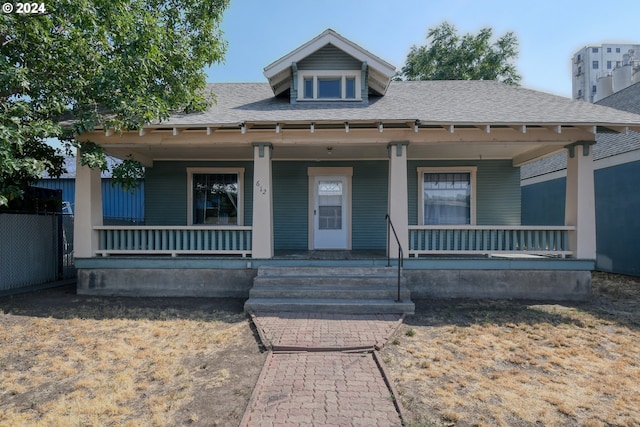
(35, 249)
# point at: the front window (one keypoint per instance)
(329, 88)
(447, 196)
(215, 197)
(308, 88)
(329, 85)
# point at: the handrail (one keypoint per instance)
(390, 228)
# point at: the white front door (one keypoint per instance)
(330, 221)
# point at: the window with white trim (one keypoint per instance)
(215, 196)
(447, 196)
(340, 85)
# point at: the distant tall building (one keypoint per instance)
(599, 71)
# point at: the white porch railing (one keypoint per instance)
(489, 239)
(174, 240)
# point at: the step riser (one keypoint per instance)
(326, 281)
(332, 308)
(326, 271)
(331, 293)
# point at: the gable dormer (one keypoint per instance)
(329, 68)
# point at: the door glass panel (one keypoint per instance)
(330, 205)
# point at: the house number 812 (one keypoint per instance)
(261, 189)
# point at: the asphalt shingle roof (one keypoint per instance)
(437, 102)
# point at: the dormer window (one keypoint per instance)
(342, 85)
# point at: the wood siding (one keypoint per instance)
(497, 192)
(166, 190)
(329, 58)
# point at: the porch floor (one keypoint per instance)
(331, 254)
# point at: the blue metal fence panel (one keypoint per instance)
(116, 203)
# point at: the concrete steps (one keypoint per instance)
(329, 289)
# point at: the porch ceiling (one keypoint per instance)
(518, 142)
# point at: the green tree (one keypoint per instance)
(448, 56)
(82, 64)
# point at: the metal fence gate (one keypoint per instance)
(35, 249)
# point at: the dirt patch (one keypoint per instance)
(510, 363)
(78, 360)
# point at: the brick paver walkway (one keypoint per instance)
(323, 385)
(325, 331)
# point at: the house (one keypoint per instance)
(302, 170)
(617, 200)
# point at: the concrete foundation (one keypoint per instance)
(166, 282)
(559, 285)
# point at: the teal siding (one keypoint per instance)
(369, 204)
(166, 191)
(291, 203)
(497, 192)
(329, 58)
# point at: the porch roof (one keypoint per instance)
(427, 102)
(440, 119)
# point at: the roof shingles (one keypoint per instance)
(437, 102)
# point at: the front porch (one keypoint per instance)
(430, 276)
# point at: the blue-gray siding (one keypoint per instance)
(617, 220)
(329, 58)
(498, 196)
(497, 192)
(116, 203)
(166, 190)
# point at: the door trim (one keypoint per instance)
(312, 172)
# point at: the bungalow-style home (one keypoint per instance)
(616, 168)
(294, 179)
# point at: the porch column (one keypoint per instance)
(87, 212)
(262, 228)
(398, 206)
(580, 209)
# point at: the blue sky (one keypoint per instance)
(549, 32)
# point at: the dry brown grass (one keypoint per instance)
(497, 363)
(123, 362)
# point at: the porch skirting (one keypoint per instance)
(527, 279)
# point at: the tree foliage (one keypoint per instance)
(449, 56)
(85, 64)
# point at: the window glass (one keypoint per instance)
(308, 88)
(447, 198)
(595, 65)
(215, 198)
(329, 88)
(330, 205)
(351, 88)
